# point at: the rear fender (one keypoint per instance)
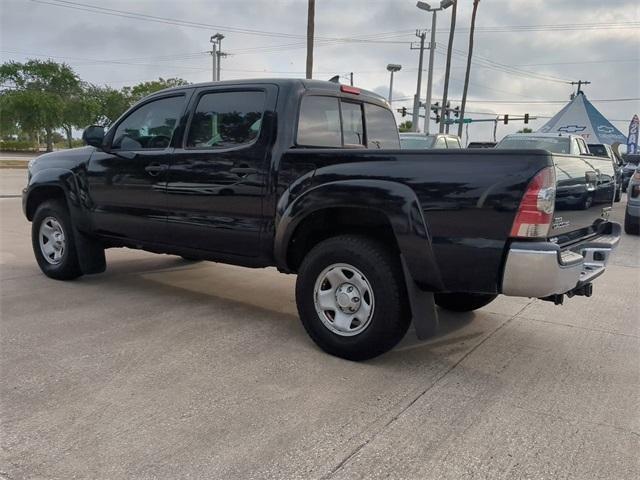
(396, 201)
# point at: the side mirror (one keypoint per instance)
(93, 135)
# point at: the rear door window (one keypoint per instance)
(319, 123)
(382, 131)
(226, 119)
(352, 124)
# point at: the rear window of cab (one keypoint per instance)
(333, 122)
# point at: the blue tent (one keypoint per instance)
(580, 117)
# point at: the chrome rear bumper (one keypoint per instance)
(542, 269)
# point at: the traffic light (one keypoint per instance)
(435, 108)
(506, 118)
(456, 112)
(403, 111)
(526, 118)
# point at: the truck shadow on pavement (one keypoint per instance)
(247, 297)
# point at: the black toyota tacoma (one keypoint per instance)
(308, 176)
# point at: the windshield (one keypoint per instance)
(598, 150)
(552, 144)
(416, 142)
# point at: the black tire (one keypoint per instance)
(67, 266)
(390, 317)
(631, 224)
(463, 302)
(618, 196)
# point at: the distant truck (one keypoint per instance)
(572, 190)
(421, 141)
(308, 176)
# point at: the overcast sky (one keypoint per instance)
(555, 40)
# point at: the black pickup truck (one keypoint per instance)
(308, 176)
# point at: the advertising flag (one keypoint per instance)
(632, 138)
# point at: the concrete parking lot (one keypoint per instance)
(160, 368)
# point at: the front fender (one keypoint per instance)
(395, 200)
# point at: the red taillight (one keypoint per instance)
(348, 89)
(535, 213)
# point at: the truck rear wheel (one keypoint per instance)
(53, 242)
(463, 302)
(351, 297)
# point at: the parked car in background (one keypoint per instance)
(604, 150)
(420, 141)
(482, 144)
(631, 162)
(583, 179)
(632, 212)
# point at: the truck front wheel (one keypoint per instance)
(463, 302)
(53, 242)
(351, 297)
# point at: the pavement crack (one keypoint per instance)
(412, 402)
(588, 329)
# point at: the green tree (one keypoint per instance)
(37, 94)
(405, 126)
(525, 130)
(143, 89)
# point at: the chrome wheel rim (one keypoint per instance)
(344, 299)
(52, 240)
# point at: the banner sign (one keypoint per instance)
(632, 138)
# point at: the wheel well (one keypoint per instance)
(42, 194)
(330, 222)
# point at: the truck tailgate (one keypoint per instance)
(584, 195)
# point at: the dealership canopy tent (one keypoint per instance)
(579, 116)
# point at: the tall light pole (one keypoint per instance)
(392, 67)
(432, 49)
(447, 71)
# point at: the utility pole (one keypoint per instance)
(432, 50)
(311, 13)
(579, 83)
(351, 78)
(452, 30)
(416, 99)
(468, 72)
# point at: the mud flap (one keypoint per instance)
(424, 314)
(90, 254)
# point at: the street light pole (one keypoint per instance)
(392, 67)
(432, 49)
